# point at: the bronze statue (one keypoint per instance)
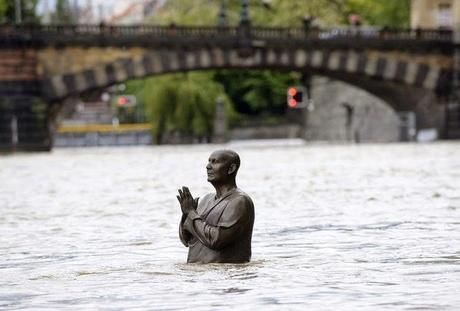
(218, 228)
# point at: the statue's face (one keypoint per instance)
(218, 166)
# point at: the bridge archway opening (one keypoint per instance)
(374, 103)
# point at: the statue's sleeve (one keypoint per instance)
(184, 235)
(237, 216)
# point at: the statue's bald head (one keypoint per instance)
(230, 158)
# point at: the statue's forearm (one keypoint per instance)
(184, 235)
(213, 237)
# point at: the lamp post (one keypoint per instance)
(456, 75)
(244, 32)
(452, 117)
(244, 14)
(222, 19)
(18, 11)
(455, 93)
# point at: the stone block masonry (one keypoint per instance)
(368, 119)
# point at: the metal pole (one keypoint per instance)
(244, 15)
(453, 127)
(456, 80)
(18, 11)
(220, 123)
(101, 13)
(76, 12)
(222, 20)
(14, 132)
(47, 15)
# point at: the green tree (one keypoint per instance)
(257, 92)
(186, 12)
(3, 7)
(393, 13)
(276, 13)
(63, 13)
(184, 103)
(28, 11)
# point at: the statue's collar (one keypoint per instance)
(216, 202)
(225, 195)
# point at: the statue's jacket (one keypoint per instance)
(219, 231)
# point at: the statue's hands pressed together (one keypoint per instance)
(186, 200)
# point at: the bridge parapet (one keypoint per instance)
(152, 35)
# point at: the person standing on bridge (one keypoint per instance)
(218, 228)
(354, 19)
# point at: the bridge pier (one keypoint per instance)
(453, 106)
(429, 112)
(24, 124)
(220, 134)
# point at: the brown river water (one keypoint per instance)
(338, 227)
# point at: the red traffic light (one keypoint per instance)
(292, 103)
(292, 91)
(295, 97)
(121, 101)
(124, 101)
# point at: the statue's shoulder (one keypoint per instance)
(242, 198)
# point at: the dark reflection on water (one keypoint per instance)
(337, 228)
(235, 290)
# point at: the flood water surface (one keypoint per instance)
(364, 227)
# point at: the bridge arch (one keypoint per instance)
(347, 65)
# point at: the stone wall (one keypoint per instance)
(368, 118)
(91, 139)
(266, 132)
(18, 65)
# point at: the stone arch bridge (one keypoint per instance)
(411, 70)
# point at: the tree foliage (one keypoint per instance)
(28, 11)
(285, 13)
(186, 12)
(393, 13)
(184, 103)
(3, 7)
(63, 13)
(257, 92)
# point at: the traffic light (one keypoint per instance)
(296, 97)
(126, 107)
(125, 101)
(121, 101)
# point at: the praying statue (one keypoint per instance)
(218, 227)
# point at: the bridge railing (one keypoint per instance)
(116, 31)
(380, 33)
(75, 32)
(134, 30)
